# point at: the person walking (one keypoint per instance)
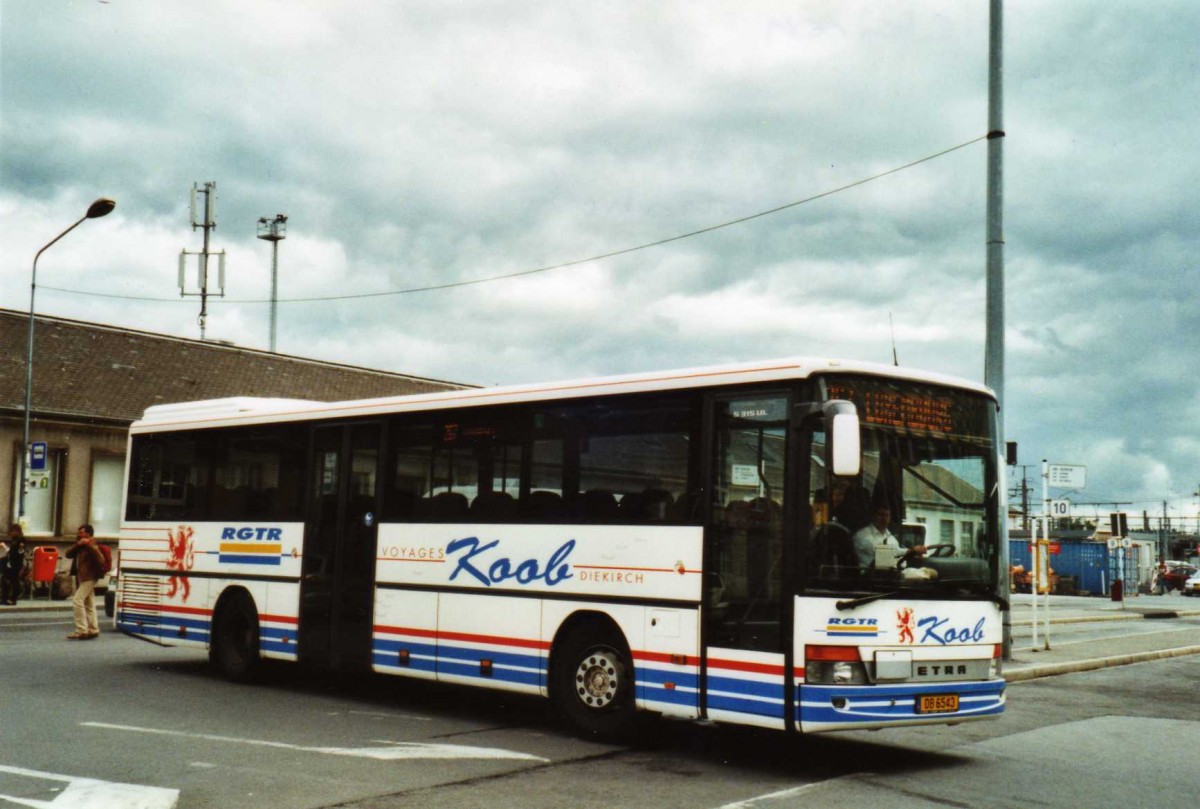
(12, 565)
(89, 565)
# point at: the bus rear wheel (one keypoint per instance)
(593, 684)
(233, 648)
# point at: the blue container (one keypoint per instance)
(1087, 561)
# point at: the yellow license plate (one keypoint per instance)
(937, 703)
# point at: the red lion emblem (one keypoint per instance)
(904, 623)
(181, 557)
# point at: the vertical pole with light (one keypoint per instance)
(273, 231)
(99, 208)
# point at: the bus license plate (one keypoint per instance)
(937, 703)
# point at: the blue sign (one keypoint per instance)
(37, 456)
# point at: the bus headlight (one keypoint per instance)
(834, 665)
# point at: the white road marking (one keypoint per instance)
(395, 751)
(91, 793)
(758, 800)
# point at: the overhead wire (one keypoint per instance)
(565, 264)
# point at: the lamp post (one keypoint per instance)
(99, 208)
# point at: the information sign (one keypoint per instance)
(745, 475)
(1066, 476)
(37, 456)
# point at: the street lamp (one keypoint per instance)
(99, 208)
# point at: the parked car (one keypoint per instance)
(1178, 574)
(1191, 587)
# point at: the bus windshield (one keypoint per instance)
(923, 514)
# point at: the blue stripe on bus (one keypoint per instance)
(749, 688)
(499, 674)
(142, 619)
(278, 640)
(459, 654)
(248, 559)
(656, 677)
(390, 660)
(877, 703)
(459, 661)
(672, 696)
(165, 631)
(278, 647)
(734, 704)
(385, 653)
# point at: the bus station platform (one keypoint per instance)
(1117, 645)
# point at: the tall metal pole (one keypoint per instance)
(99, 208)
(274, 288)
(993, 358)
(208, 194)
(274, 231)
(993, 374)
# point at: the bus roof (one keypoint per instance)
(251, 410)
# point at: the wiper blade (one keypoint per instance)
(858, 602)
(851, 603)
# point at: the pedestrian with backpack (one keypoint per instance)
(89, 566)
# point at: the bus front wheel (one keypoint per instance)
(233, 648)
(593, 684)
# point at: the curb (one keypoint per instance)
(1125, 616)
(1054, 669)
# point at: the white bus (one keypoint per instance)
(680, 543)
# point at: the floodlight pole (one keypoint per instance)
(273, 231)
(99, 208)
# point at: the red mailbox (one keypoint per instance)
(45, 562)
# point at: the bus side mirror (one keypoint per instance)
(843, 440)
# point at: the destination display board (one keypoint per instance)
(914, 407)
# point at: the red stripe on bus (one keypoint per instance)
(136, 605)
(494, 640)
(742, 665)
(662, 657)
(638, 569)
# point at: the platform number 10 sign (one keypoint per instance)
(1060, 509)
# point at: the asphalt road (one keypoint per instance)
(118, 722)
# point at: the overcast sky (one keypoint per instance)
(418, 144)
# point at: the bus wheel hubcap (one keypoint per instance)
(597, 680)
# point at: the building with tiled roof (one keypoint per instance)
(91, 381)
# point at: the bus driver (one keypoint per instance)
(877, 535)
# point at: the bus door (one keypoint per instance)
(745, 609)
(338, 569)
